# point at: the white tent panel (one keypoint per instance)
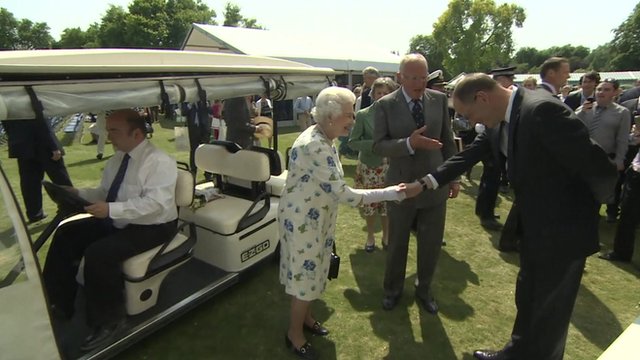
(338, 55)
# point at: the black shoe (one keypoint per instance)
(490, 224)
(369, 248)
(385, 246)
(102, 335)
(614, 256)
(305, 351)
(99, 156)
(490, 355)
(389, 302)
(508, 248)
(429, 305)
(37, 218)
(317, 329)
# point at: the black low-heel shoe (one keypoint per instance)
(305, 352)
(317, 329)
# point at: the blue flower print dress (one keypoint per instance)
(307, 213)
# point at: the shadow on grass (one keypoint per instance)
(395, 327)
(84, 162)
(590, 316)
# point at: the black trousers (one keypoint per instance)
(546, 291)
(104, 249)
(488, 189)
(512, 231)
(623, 243)
(32, 172)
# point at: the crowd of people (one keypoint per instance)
(559, 151)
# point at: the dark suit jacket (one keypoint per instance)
(629, 94)
(557, 173)
(574, 99)
(238, 120)
(393, 123)
(30, 139)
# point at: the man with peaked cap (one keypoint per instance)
(435, 81)
(504, 76)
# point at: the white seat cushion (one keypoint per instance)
(136, 266)
(275, 185)
(221, 216)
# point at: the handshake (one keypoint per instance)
(408, 190)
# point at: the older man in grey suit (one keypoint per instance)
(412, 129)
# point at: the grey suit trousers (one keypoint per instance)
(430, 230)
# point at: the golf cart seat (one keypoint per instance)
(144, 273)
(238, 228)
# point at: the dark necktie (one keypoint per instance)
(595, 123)
(117, 180)
(417, 114)
(504, 138)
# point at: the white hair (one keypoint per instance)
(330, 102)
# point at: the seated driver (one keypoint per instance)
(133, 211)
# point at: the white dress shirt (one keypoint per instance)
(147, 193)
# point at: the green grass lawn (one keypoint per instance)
(474, 286)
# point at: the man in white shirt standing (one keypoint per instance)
(133, 211)
(302, 111)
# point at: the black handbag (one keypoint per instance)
(334, 264)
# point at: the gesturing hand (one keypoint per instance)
(419, 141)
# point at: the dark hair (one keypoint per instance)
(467, 88)
(552, 63)
(133, 119)
(591, 75)
(613, 82)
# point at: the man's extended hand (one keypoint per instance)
(413, 189)
(454, 189)
(56, 155)
(99, 209)
(419, 141)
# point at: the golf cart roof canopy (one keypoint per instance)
(70, 81)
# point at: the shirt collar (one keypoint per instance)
(407, 98)
(507, 116)
(137, 151)
(553, 88)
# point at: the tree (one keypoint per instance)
(427, 46)
(475, 35)
(233, 18)
(33, 35)
(626, 43)
(112, 31)
(182, 13)
(8, 29)
(72, 38)
(600, 58)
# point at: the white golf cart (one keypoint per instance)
(217, 241)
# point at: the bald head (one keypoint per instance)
(480, 99)
(413, 75)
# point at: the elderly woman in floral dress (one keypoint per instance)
(308, 209)
(371, 168)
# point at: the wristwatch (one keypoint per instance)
(423, 183)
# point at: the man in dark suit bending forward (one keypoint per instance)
(550, 160)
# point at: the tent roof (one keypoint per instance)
(340, 56)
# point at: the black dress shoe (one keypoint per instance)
(490, 224)
(37, 218)
(389, 302)
(102, 335)
(429, 305)
(317, 329)
(614, 256)
(304, 352)
(490, 355)
(508, 248)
